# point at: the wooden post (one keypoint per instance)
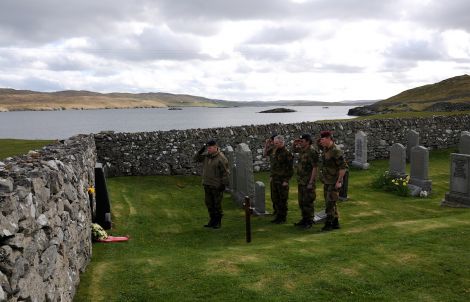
(247, 206)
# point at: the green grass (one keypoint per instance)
(12, 147)
(411, 114)
(389, 248)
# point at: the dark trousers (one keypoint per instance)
(213, 200)
(279, 196)
(306, 198)
(331, 195)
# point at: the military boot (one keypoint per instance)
(335, 224)
(308, 224)
(301, 222)
(327, 227)
(217, 222)
(211, 222)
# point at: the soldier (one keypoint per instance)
(214, 178)
(307, 168)
(332, 169)
(281, 172)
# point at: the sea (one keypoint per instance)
(66, 123)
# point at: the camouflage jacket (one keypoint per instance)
(215, 169)
(308, 159)
(281, 164)
(331, 161)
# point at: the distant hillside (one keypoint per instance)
(452, 94)
(16, 100)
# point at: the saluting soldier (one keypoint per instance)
(307, 168)
(281, 171)
(332, 169)
(215, 173)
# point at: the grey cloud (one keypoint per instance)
(279, 35)
(31, 83)
(444, 14)
(416, 50)
(152, 44)
(31, 21)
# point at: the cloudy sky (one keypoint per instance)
(327, 50)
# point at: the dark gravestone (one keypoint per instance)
(397, 161)
(412, 141)
(103, 206)
(459, 194)
(464, 145)
(343, 192)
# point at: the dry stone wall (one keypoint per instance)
(45, 221)
(170, 152)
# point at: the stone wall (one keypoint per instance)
(170, 152)
(45, 221)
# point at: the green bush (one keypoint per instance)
(387, 182)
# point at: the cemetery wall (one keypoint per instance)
(170, 152)
(45, 220)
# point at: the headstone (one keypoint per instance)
(260, 199)
(343, 192)
(103, 205)
(360, 154)
(397, 161)
(229, 153)
(459, 194)
(419, 162)
(412, 141)
(245, 183)
(464, 145)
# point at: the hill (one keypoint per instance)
(452, 94)
(16, 100)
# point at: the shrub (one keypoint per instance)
(389, 183)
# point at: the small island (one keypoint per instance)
(278, 110)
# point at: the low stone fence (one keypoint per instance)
(45, 221)
(170, 152)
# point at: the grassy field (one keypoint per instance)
(11, 147)
(389, 248)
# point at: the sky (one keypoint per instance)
(243, 50)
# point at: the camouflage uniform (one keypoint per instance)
(281, 171)
(331, 162)
(214, 178)
(308, 159)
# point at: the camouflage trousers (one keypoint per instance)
(306, 199)
(213, 199)
(279, 196)
(331, 195)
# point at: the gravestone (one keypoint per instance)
(419, 162)
(103, 205)
(229, 153)
(259, 207)
(459, 191)
(397, 167)
(360, 154)
(245, 179)
(343, 191)
(244, 183)
(464, 145)
(412, 141)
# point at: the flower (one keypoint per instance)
(423, 194)
(91, 190)
(97, 232)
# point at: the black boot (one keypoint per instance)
(308, 224)
(210, 223)
(301, 222)
(335, 224)
(217, 222)
(327, 227)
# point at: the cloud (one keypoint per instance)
(263, 53)
(279, 35)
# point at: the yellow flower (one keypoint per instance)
(91, 190)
